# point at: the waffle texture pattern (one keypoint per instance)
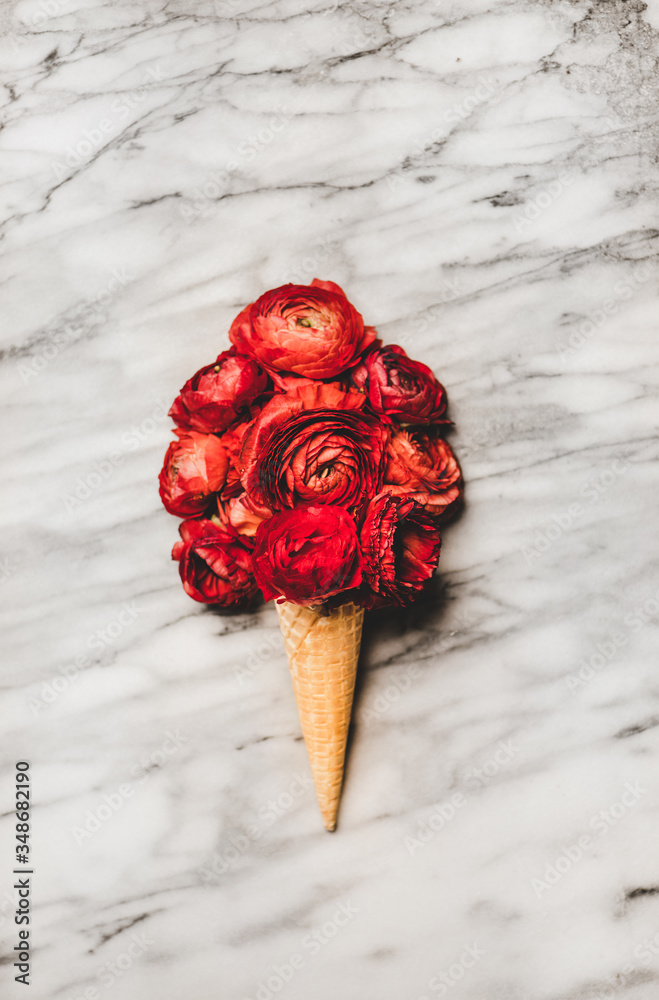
(323, 650)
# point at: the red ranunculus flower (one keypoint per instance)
(245, 516)
(400, 550)
(215, 564)
(313, 446)
(233, 440)
(195, 468)
(217, 393)
(400, 387)
(307, 555)
(309, 330)
(421, 465)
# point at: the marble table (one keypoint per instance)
(481, 177)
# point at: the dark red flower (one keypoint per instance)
(307, 555)
(233, 440)
(421, 465)
(217, 393)
(309, 330)
(195, 468)
(215, 564)
(400, 550)
(314, 446)
(400, 387)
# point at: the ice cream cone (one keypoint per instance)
(323, 650)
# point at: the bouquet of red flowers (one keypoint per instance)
(309, 465)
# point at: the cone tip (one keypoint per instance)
(329, 818)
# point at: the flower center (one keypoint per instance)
(404, 381)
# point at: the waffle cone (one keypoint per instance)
(323, 650)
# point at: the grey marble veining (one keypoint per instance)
(482, 179)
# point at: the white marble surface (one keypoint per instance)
(482, 179)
